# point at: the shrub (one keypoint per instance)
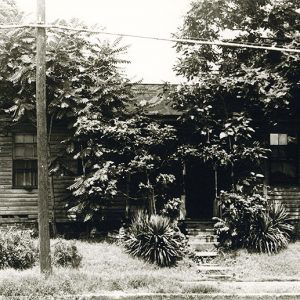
(172, 209)
(17, 249)
(251, 222)
(238, 213)
(271, 232)
(155, 239)
(65, 254)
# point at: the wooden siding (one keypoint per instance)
(21, 205)
(289, 197)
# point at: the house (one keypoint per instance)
(18, 173)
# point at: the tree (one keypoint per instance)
(110, 135)
(9, 12)
(114, 149)
(234, 92)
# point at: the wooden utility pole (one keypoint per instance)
(42, 142)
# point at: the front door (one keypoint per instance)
(199, 189)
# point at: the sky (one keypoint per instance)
(151, 61)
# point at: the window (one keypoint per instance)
(278, 139)
(24, 161)
(283, 164)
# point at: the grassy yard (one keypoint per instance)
(106, 268)
(283, 266)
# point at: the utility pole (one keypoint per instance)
(42, 143)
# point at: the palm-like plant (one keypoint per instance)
(155, 240)
(280, 218)
(271, 231)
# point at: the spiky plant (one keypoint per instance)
(281, 219)
(271, 232)
(155, 240)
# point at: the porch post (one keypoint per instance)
(183, 194)
(215, 204)
(266, 179)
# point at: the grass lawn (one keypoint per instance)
(283, 266)
(107, 268)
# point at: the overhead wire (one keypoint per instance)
(174, 40)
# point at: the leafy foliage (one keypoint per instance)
(251, 222)
(9, 12)
(66, 254)
(171, 209)
(110, 135)
(17, 249)
(267, 78)
(266, 236)
(234, 94)
(155, 240)
(116, 149)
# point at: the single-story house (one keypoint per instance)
(18, 173)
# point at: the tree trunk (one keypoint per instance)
(127, 207)
(151, 198)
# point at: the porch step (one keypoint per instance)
(212, 271)
(203, 246)
(206, 254)
(193, 231)
(201, 235)
(198, 224)
(226, 277)
(203, 238)
(212, 268)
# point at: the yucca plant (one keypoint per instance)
(281, 219)
(155, 240)
(271, 232)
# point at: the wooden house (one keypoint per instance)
(18, 173)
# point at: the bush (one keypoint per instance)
(251, 222)
(66, 254)
(17, 249)
(271, 232)
(172, 209)
(155, 239)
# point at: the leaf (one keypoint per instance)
(87, 217)
(223, 135)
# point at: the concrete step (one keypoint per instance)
(190, 224)
(226, 277)
(212, 268)
(201, 230)
(203, 238)
(202, 235)
(206, 254)
(203, 246)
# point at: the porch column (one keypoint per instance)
(183, 195)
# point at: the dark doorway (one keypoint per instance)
(199, 189)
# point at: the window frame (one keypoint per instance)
(24, 158)
(292, 160)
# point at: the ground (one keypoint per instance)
(284, 266)
(107, 268)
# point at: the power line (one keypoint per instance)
(174, 40)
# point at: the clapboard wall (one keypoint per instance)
(20, 205)
(288, 195)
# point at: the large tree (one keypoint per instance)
(110, 134)
(231, 92)
(9, 12)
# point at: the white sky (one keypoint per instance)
(151, 61)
